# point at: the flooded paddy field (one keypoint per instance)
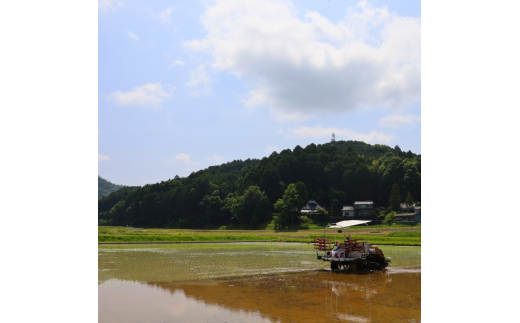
(251, 282)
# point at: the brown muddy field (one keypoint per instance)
(261, 282)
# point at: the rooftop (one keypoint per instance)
(405, 214)
(312, 206)
(363, 202)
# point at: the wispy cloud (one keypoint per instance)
(216, 159)
(184, 159)
(164, 16)
(320, 132)
(200, 80)
(132, 35)
(178, 63)
(397, 121)
(148, 95)
(102, 158)
(107, 6)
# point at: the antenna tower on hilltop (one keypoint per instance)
(333, 141)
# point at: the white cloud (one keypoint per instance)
(216, 159)
(132, 35)
(102, 158)
(302, 67)
(178, 63)
(269, 149)
(148, 95)
(107, 6)
(164, 16)
(397, 121)
(319, 132)
(184, 159)
(200, 79)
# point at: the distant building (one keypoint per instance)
(410, 217)
(360, 208)
(364, 208)
(347, 210)
(405, 218)
(405, 207)
(311, 207)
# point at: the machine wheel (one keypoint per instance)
(333, 266)
(353, 266)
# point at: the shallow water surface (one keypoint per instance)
(263, 282)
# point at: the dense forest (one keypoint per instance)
(105, 187)
(248, 192)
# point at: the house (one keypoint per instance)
(405, 218)
(410, 217)
(360, 208)
(347, 210)
(364, 208)
(405, 207)
(311, 207)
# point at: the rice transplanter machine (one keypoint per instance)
(354, 254)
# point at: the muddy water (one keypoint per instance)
(252, 283)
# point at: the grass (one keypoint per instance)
(179, 237)
(407, 236)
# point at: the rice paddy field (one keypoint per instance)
(263, 282)
(187, 262)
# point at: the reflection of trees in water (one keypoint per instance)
(372, 285)
(308, 297)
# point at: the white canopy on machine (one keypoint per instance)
(348, 223)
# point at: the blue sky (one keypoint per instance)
(186, 85)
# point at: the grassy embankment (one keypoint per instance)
(393, 235)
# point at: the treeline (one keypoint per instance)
(245, 192)
(105, 187)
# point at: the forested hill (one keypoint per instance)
(105, 187)
(371, 151)
(244, 192)
(236, 165)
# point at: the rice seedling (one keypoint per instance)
(188, 262)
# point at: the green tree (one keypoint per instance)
(270, 182)
(322, 215)
(389, 219)
(250, 208)
(398, 150)
(395, 198)
(409, 200)
(213, 205)
(393, 172)
(412, 180)
(302, 193)
(288, 203)
(361, 182)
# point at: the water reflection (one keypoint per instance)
(314, 295)
(318, 296)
